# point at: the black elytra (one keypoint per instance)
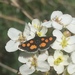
(37, 43)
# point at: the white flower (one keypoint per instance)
(37, 28)
(60, 20)
(58, 61)
(35, 62)
(63, 43)
(17, 37)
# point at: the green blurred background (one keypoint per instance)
(14, 13)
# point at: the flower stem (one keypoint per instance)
(8, 68)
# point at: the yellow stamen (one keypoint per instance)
(38, 27)
(21, 38)
(34, 62)
(64, 42)
(58, 60)
(39, 33)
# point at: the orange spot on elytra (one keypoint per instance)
(43, 44)
(32, 47)
(50, 38)
(31, 41)
(42, 39)
(28, 44)
(46, 40)
(23, 45)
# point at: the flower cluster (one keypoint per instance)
(59, 58)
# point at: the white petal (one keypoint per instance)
(57, 53)
(71, 26)
(43, 56)
(51, 60)
(36, 22)
(32, 28)
(59, 69)
(43, 66)
(47, 24)
(11, 46)
(30, 37)
(56, 25)
(73, 57)
(73, 20)
(71, 40)
(56, 14)
(58, 34)
(56, 45)
(65, 61)
(26, 30)
(71, 68)
(69, 48)
(65, 19)
(73, 73)
(28, 34)
(26, 70)
(24, 57)
(13, 33)
(44, 30)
